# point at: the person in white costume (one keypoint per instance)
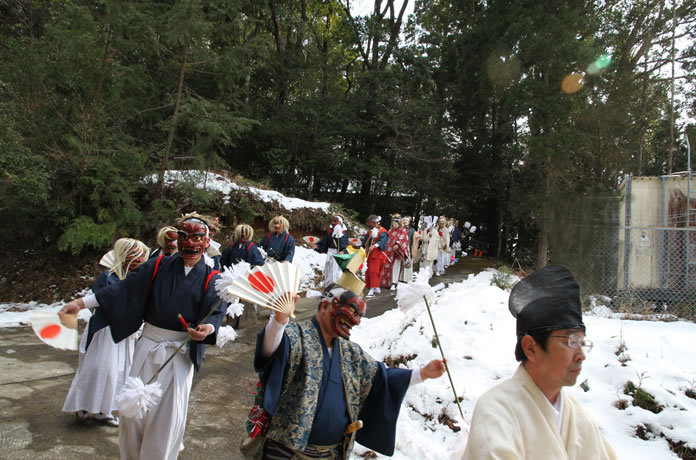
(102, 364)
(530, 416)
(437, 246)
(156, 294)
(334, 241)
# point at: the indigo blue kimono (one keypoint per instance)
(279, 246)
(312, 397)
(238, 252)
(98, 321)
(456, 236)
(156, 252)
(159, 300)
(328, 242)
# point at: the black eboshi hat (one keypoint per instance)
(547, 300)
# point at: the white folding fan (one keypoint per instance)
(58, 332)
(272, 286)
(108, 259)
(311, 239)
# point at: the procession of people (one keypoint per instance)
(320, 391)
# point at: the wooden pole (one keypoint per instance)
(437, 338)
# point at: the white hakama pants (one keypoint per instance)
(407, 273)
(332, 272)
(101, 372)
(440, 261)
(396, 270)
(159, 434)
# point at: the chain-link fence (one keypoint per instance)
(635, 251)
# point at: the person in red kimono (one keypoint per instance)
(375, 243)
(397, 253)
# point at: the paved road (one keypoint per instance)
(34, 380)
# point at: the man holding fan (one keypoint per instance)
(322, 390)
(157, 293)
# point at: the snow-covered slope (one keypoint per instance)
(477, 334)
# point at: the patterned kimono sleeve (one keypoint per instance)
(278, 367)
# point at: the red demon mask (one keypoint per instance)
(170, 241)
(193, 240)
(134, 259)
(346, 312)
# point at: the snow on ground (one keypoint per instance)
(477, 334)
(310, 263)
(216, 182)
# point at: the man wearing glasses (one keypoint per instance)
(530, 416)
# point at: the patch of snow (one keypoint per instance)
(310, 263)
(216, 182)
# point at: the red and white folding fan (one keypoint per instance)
(54, 330)
(272, 286)
(311, 239)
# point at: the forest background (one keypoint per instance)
(508, 113)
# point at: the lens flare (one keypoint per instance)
(503, 68)
(599, 65)
(572, 83)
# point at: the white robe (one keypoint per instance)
(435, 243)
(159, 434)
(397, 270)
(514, 421)
(441, 261)
(407, 273)
(101, 372)
(332, 272)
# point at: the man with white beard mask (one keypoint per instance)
(334, 241)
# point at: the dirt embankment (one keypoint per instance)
(45, 275)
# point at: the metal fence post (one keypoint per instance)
(627, 232)
(663, 223)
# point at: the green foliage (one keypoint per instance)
(458, 112)
(189, 196)
(642, 398)
(25, 178)
(503, 278)
(242, 206)
(83, 232)
(161, 212)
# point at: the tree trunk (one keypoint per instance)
(542, 247)
(102, 70)
(316, 186)
(172, 130)
(344, 190)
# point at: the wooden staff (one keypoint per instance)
(437, 338)
(188, 339)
